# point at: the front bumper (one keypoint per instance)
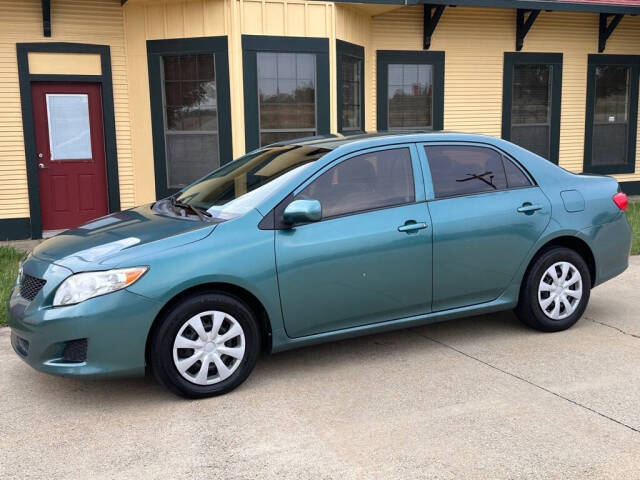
(115, 325)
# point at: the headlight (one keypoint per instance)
(20, 271)
(82, 286)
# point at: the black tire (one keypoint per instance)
(529, 310)
(161, 344)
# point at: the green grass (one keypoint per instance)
(633, 215)
(9, 259)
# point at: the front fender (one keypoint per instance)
(236, 253)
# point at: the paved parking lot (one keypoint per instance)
(474, 398)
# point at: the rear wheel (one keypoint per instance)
(555, 291)
(205, 345)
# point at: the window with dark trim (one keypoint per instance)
(466, 169)
(190, 109)
(612, 113)
(410, 90)
(373, 180)
(350, 76)
(286, 88)
(532, 86)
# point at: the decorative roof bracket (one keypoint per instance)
(432, 14)
(46, 18)
(524, 25)
(607, 28)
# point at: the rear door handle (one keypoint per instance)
(529, 207)
(412, 226)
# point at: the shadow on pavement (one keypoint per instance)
(282, 367)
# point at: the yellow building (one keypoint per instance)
(107, 104)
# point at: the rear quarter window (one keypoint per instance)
(515, 177)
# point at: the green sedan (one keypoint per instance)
(314, 240)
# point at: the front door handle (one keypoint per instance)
(412, 226)
(529, 207)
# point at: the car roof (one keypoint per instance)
(334, 141)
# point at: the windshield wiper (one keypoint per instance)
(200, 212)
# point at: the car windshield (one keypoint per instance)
(241, 185)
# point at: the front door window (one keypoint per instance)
(69, 129)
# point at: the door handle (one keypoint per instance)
(411, 226)
(529, 207)
(41, 165)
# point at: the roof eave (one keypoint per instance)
(556, 5)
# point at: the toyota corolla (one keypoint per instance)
(315, 240)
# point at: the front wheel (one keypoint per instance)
(206, 345)
(555, 291)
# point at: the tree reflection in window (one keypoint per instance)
(287, 96)
(191, 117)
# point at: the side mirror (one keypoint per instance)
(302, 211)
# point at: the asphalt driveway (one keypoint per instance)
(474, 398)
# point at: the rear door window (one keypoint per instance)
(465, 170)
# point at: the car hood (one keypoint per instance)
(96, 245)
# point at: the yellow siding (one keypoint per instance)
(64, 63)
(153, 20)
(474, 41)
(98, 22)
(355, 27)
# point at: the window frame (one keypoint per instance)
(254, 44)
(633, 63)
(428, 179)
(418, 184)
(156, 49)
(554, 60)
(435, 59)
(346, 49)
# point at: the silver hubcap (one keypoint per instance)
(560, 290)
(209, 347)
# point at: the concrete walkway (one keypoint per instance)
(482, 397)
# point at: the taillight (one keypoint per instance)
(620, 199)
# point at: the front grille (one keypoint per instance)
(30, 286)
(75, 351)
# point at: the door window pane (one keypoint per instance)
(610, 122)
(191, 117)
(410, 91)
(351, 89)
(515, 176)
(69, 131)
(286, 96)
(373, 180)
(531, 108)
(463, 170)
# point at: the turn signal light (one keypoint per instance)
(620, 199)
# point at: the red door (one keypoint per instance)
(70, 153)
